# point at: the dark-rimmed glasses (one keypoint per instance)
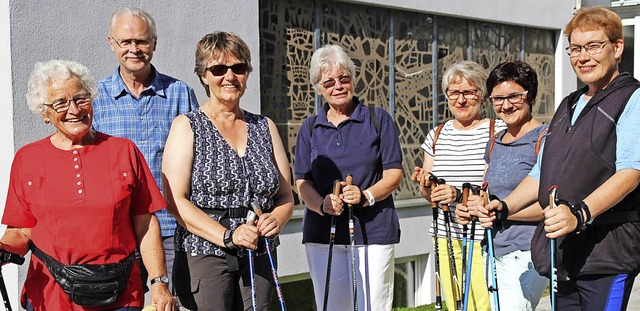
(593, 48)
(126, 43)
(468, 94)
(332, 82)
(221, 70)
(514, 98)
(63, 105)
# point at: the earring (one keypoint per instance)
(47, 121)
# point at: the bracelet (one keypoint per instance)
(502, 214)
(322, 213)
(228, 239)
(581, 211)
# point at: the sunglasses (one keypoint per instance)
(332, 82)
(221, 70)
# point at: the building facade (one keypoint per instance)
(401, 48)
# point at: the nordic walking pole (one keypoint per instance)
(493, 288)
(332, 238)
(553, 192)
(465, 196)
(467, 280)
(12, 258)
(452, 257)
(256, 209)
(352, 246)
(251, 217)
(433, 182)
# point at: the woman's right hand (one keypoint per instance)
(246, 235)
(332, 205)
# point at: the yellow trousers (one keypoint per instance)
(478, 296)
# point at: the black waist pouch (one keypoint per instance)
(89, 285)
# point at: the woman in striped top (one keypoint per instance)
(457, 155)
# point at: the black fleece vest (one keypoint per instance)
(580, 158)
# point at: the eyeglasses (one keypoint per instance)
(593, 48)
(221, 70)
(63, 105)
(468, 94)
(126, 43)
(514, 98)
(332, 82)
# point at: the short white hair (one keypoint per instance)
(45, 72)
(133, 12)
(470, 71)
(329, 57)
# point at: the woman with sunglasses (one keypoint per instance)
(219, 162)
(347, 137)
(510, 155)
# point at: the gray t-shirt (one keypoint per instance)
(509, 164)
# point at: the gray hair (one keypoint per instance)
(329, 57)
(44, 73)
(471, 71)
(133, 12)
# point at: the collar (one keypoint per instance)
(119, 88)
(356, 116)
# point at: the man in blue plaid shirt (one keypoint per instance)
(139, 103)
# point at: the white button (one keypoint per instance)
(124, 174)
(79, 191)
(29, 183)
(75, 151)
(76, 166)
(75, 159)
(79, 183)
(78, 175)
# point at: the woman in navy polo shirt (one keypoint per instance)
(347, 137)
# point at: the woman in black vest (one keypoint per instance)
(593, 158)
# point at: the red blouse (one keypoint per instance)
(80, 204)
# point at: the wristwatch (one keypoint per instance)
(372, 200)
(163, 279)
(228, 239)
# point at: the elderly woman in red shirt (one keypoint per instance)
(81, 201)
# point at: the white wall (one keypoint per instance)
(77, 30)
(553, 14)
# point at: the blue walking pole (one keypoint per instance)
(493, 288)
(274, 272)
(251, 217)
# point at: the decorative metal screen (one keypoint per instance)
(287, 32)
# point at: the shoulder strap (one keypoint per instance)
(311, 124)
(435, 137)
(491, 143)
(539, 141)
(374, 119)
(492, 127)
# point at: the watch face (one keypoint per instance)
(164, 279)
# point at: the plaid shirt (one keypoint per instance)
(145, 120)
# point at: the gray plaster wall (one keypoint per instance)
(77, 30)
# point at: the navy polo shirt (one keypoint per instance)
(353, 147)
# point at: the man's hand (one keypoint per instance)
(161, 297)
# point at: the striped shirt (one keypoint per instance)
(145, 120)
(459, 158)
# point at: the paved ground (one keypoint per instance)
(634, 301)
